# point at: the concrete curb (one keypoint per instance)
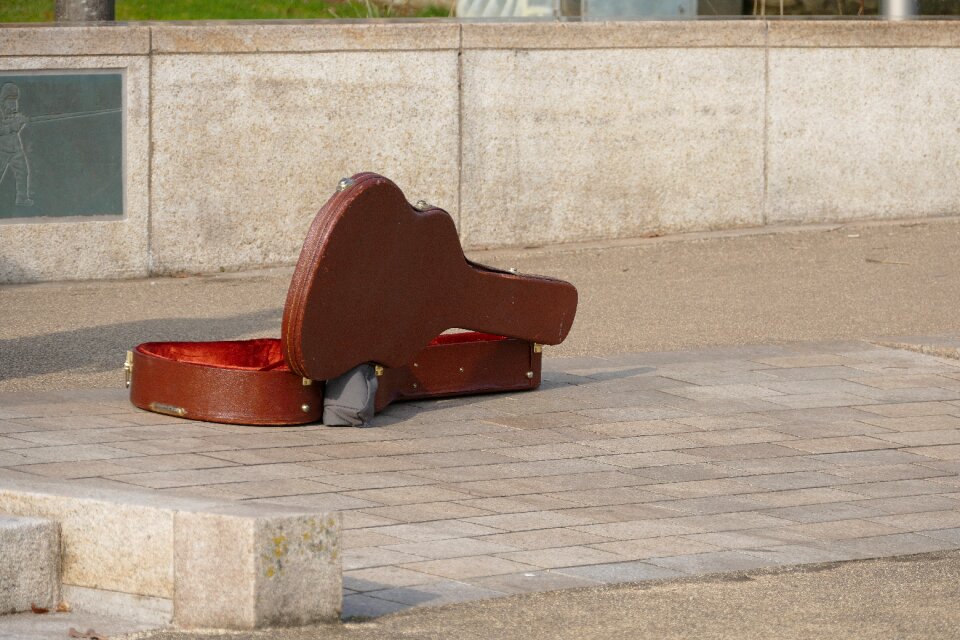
(195, 563)
(29, 564)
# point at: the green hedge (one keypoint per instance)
(43, 10)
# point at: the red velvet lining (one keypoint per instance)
(465, 336)
(261, 354)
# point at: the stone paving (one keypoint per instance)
(619, 469)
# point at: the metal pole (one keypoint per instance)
(568, 8)
(85, 10)
(899, 9)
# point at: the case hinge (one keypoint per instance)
(128, 369)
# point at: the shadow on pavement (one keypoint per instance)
(102, 348)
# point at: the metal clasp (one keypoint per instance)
(168, 409)
(128, 369)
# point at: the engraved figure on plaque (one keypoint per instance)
(13, 157)
(61, 144)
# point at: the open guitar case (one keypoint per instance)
(377, 284)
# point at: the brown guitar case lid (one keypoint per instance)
(378, 279)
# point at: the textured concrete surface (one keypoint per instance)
(625, 468)
(276, 571)
(304, 36)
(656, 294)
(873, 158)
(913, 597)
(136, 610)
(528, 133)
(666, 133)
(863, 33)
(41, 249)
(106, 544)
(272, 135)
(150, 556)
(75, 40)
(674, 34)
(57, 625)
(29, 565)
(855, 456)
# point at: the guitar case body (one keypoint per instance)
(378, 282)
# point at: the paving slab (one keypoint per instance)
(629, 449)
(56, 626)
(478, 497)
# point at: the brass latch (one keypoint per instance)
(378, 370)
(168, 409)
(537, 347)
(128, 369)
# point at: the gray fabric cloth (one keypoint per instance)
(348, 399)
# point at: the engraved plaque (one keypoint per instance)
(61, 144)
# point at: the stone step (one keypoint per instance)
(29, 563)
(234, 565)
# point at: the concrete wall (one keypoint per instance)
(201, 563)
(528, 133)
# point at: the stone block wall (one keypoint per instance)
(527, 132)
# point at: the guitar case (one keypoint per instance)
(378, 282)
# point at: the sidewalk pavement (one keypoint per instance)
(622, 468)
(908, 598)
(656, 294)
